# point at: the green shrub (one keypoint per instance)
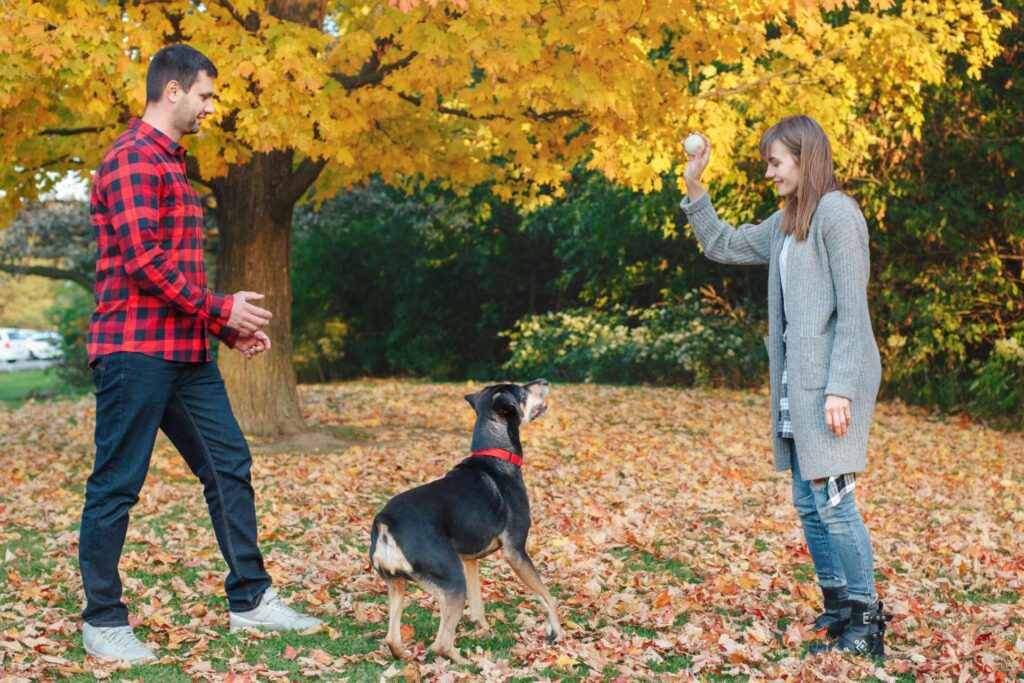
(70, 318)
(697, 339)
(318, 351)
(997, 392)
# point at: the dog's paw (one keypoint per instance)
(553, 634)
(481, 627)
(451, 653)
(397, 652)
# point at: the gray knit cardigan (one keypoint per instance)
(829, 347)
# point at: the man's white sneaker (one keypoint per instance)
(115, 642)
(272, 614)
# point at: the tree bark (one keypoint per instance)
(254, 210)
(85, 280)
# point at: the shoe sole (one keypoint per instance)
(110, 658)
(241, 623)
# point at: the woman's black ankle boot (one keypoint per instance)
(837, 611)
(865, 634)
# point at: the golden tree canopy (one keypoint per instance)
(518, 91)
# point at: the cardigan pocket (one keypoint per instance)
(813, 359)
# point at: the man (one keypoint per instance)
(151, 362)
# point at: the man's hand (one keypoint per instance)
(247, 317)
(837, 414)
(253, 344)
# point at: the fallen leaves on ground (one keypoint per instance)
(658, 522)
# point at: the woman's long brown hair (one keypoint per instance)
(809, 145)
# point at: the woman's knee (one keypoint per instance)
(841, 519)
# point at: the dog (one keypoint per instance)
(436, 534)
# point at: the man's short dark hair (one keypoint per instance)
(180, 63)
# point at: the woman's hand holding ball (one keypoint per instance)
(698, 152)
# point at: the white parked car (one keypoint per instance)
(12, 345)
(43, 345)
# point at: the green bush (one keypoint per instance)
(997, 392)
(317, 351)
(70, 318)
(698, 339)
(947, 219)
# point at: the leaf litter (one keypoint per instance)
(657, 521)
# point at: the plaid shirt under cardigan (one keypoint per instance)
(837, 486)
(151, 294)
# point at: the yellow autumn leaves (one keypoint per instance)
(518, 92)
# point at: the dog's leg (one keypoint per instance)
(476, 601)
(396, 603)
(522, 565)
(450, 604)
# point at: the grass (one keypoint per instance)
(30, 560)
(645, 561)
(355, 639)
(17, 387)
(351, 637)
(41, 385)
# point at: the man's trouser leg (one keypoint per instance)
(131, 391)
(200, 423)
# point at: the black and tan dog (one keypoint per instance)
(435, 534)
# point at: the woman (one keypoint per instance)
(823, 361)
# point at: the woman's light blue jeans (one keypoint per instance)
(836, 538)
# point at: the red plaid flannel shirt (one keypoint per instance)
(151, 294)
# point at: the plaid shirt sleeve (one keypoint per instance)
(134, 194)
(228, 335)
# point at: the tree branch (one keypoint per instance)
(726, 92)
(75, 131)
(192, 170)
(14, 13)
(553, 115)
(463, 113)
(250, 23)
(78, 277)
(372, 73)
(50, 162)
(301, 180)
(529, 113)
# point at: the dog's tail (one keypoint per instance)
(385, 554)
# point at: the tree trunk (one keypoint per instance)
(254, 211)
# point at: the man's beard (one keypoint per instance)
(188, 124)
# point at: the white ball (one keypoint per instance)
(694, 144)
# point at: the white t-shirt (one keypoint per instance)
(783, 259)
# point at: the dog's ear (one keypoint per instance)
(506, 406)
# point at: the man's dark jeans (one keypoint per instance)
(136, 395)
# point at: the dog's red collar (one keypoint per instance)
(501, 454)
